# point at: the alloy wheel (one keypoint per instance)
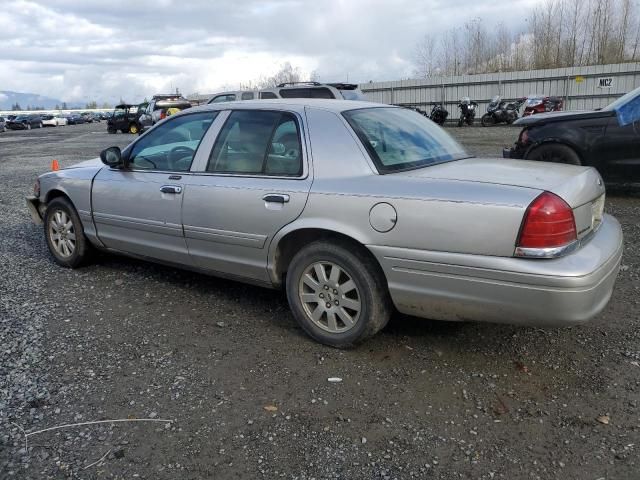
(62, 234)
(330, 297)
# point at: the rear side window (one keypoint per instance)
(307, 92)
(268, 95)
(258, 142)
(247, 96)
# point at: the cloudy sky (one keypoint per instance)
(82, 50)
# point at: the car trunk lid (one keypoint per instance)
(581, 187)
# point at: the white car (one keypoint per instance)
(53, 120)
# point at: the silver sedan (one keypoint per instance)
(354, 209)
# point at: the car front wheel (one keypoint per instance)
(65, 236)
(337, 294)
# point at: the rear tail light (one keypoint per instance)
(163, 115)
(548, 229)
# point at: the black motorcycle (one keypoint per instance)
(467, 111)
(439, 114)
(500, 111)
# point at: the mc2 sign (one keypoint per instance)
(605, 82)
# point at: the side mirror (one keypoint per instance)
(112, 157)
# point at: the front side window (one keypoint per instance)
(172, 145)
(247, 96)
(400, 139)
(258, 142)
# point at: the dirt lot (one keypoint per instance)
(123, 339)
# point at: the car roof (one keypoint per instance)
(333, 105)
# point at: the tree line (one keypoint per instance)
(558, 33)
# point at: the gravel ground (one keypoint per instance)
(247, 393)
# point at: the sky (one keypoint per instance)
(98, 50)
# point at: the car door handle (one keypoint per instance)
(171, 189)
(276, 198)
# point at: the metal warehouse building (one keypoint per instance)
(582, 87)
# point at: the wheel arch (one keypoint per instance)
(556, 141)
(288, 242)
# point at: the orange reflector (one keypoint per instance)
(55, 165)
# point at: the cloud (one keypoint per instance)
(81, 51)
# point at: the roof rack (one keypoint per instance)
(285, 84)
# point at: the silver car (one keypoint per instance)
(354, 208)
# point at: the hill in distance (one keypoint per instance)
(8, 99)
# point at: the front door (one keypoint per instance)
(254, 182)
(621, 151)
(138, 209)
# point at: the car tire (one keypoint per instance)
(353, 302)
(555, 153)
(461, 122)
(133, 129)
(40, 125)
(28, 126)
(124, 130)
(73, 249)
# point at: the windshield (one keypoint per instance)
(627, 108)
(534, 100)
(400, 139)
(353, 95)
(465, 101)
(496, 99)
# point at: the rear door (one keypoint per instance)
(138, 209)
(255, 180)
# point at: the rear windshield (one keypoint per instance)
(306, 92)
(353, 95)
(400, 139)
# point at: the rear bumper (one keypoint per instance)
(513, 152)
(34, 204)
(556, 292)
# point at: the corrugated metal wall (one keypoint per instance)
(579, 86)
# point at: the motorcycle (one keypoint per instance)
(467, 111)
(439, 114)
(499, 111)
(542, 104)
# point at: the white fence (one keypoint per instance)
(582, 88)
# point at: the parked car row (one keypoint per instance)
(40, 120)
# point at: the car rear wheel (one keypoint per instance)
(64, 234)
(555, 153)
(28, 126)
(133, 128)
(337, 294)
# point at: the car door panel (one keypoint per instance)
(620, 151)
(133, 215)
(229, 219)
(228, 225)
(138, 209)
